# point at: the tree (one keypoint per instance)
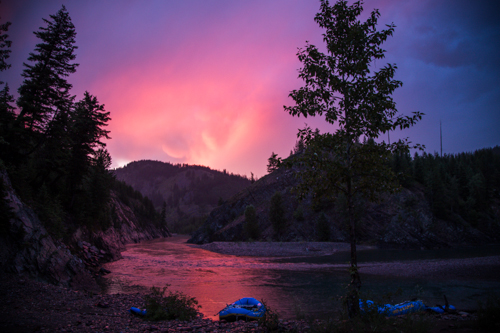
(251, 223)
(4, 47)
(322, 228)
(273, 163)
(88, 122)
(7, 115)
(340, 86)
(277, 213)
(45, 90)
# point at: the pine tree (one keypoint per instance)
(45, 90)
(5, 45)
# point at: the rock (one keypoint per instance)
(28, 249)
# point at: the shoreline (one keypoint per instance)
(279, 249)
(33, 306)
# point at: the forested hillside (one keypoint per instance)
(461, 187)
(443, 201)
(185, 194)
(52, 146)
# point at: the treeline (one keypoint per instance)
(51, 144)
(142, 206)
(459, 187)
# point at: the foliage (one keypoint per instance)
(340, 86)
(45, 91)
(273, 162)
(52, 147)
(488, 316)
(5, 44)
(5, 210)
(459, 187)
(270, 321)
(322, 228)
(170, 306)
(277, 214)
(142, 206)
(251, 224)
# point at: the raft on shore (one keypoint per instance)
(401, 308)
(247, 308)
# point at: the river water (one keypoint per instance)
(310, 286)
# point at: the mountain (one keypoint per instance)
(186, 193)
(444, 201)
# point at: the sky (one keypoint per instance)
(205, 81)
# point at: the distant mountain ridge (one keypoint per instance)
(445, 201)
(186, 193)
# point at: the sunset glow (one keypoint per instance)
(204, 82)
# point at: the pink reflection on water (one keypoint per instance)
(213, 279)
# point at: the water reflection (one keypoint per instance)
(290, 285)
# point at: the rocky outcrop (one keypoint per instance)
(400, 220)
(27, 248)
(110, 242)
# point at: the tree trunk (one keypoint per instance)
(355, 285)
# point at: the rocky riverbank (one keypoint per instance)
(32, 306)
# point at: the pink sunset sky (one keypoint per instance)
(204, 82)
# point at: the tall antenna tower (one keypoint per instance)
(441, 137)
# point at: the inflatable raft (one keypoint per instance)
(137, 311)
(247, 308)
(401, 308)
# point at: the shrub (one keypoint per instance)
(251, 224)
(488, 317)
(277, 213)
(174, 305)
(322, 228)
(270, 321)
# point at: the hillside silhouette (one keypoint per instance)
(444, 201)
(184, 193)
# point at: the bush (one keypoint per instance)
(251, 225)
(322, 228)
(270, 322)
(277, 213)
(175, 305)
(488, 317)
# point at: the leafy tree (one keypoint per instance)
(340, 86)
(277, 213)
(251, 225)
(322, 228)
(45, 90)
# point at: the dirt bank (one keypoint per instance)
(278, 249)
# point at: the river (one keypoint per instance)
(309, 286)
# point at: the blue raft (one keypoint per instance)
(137, 311)
(401, 308)
(247, 308)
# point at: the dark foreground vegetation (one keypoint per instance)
(52, 146)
